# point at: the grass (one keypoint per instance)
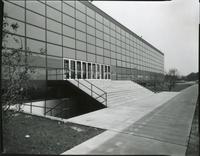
(46, 136)
(193, 145)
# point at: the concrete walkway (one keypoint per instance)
(159, 124)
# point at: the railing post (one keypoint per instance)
(78, 83)
(91, 89)
(106, 100)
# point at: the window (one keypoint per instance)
(68, 31)
(67, 20)
(68, 10)
(54, 38)
(68, 42)
(35, 19)
(35, 32)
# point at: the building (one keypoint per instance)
(73, 39)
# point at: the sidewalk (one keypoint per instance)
(157, 125)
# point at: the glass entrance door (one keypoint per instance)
(84, 70)
(72, 69)
(66, 69)
(78, 69)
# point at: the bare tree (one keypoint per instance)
(171, 78)
(15, 67)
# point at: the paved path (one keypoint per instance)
(152, 126)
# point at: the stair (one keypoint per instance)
(118, 92)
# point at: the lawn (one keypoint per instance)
(193, 145)
(28, 134)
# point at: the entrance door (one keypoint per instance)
(84, 70)
(94, 71)
(78, 69)
(98, 71)
(102, 72)
(66, 69)
(106, 74)
(89, 70)
(72, 63)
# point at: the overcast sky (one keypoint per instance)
(171, 26)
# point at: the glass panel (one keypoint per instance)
(98, 71)
(21, 27)
(80, 6)
(66, 69)
(54, 38)
(93, 71)
(35, 19)
(78, 69)
(80, 16)
(99, 34)
(99, 51)
(72, 66)
(80, 35)
(102, 71)
(90, 39)
(69, 53)
(36, 6)
(35, 32)
(54, 50)
(90, 30)
(14, 11)
(90, 21)
(91, 48)
(68, 10)
(90, 12)
(52, 13)
(69, 42)
(81, 26)
(80, 55)
(84, 70)
(36, 46)
(55, 4)
(89, 70)
(68, 20)
(54, 62)
(54, 26)
(99, 26)
(108, 72)
(68, 31)
(71, 3)
(99, 42)
(81, 45)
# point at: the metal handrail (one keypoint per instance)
(52, 108)
(91, 88)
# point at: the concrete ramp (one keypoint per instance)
(118, 92)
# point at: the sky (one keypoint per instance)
(170, 26)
